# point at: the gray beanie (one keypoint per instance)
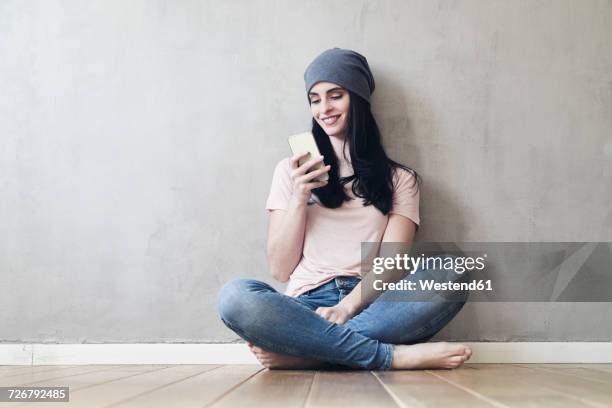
(346, 68)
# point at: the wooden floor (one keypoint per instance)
(474, 385)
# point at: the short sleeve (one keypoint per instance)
(281, 189)
(406, 195)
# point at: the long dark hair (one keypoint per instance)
(373, 170)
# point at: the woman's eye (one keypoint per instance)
(335, 97)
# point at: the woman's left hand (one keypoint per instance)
(337, 314)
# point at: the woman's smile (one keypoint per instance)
(330, 120)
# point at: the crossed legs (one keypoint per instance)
(285, 333)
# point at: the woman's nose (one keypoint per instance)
(326, 106)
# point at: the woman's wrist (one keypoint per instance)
(351, 306)
(298, 202)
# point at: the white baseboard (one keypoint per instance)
(69, 354)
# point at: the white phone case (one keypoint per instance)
(305, 142)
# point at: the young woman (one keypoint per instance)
(325, 318)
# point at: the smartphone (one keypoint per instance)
(305, 142)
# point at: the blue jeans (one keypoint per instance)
(287, 325)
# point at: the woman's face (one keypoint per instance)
(329, 104)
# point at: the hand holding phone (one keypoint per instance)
(308, 171)
(305, 142)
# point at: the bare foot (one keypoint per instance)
(429, 355)
(274, 361)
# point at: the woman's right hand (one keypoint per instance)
(303, 182)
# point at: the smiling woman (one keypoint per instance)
(325, 317)
(329, 104)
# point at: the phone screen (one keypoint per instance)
(305, 142)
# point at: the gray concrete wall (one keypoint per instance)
(138, 138)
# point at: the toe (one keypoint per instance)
(456, 361)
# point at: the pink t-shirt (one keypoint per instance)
(333, 237)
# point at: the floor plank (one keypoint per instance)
(86, 380)
(513, 385)
(421, 389)
(91, 379)
(109, 393)
(198, 391)
(59, 373)
(5, 369)
(8, 370)
(269, 389)
(474, 385)
(602, 367)
(32, 369)
(586, 373)
(586, 390)
(348, 388)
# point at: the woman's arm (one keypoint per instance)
(399, 229)
(286, 240)
(287, 227)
